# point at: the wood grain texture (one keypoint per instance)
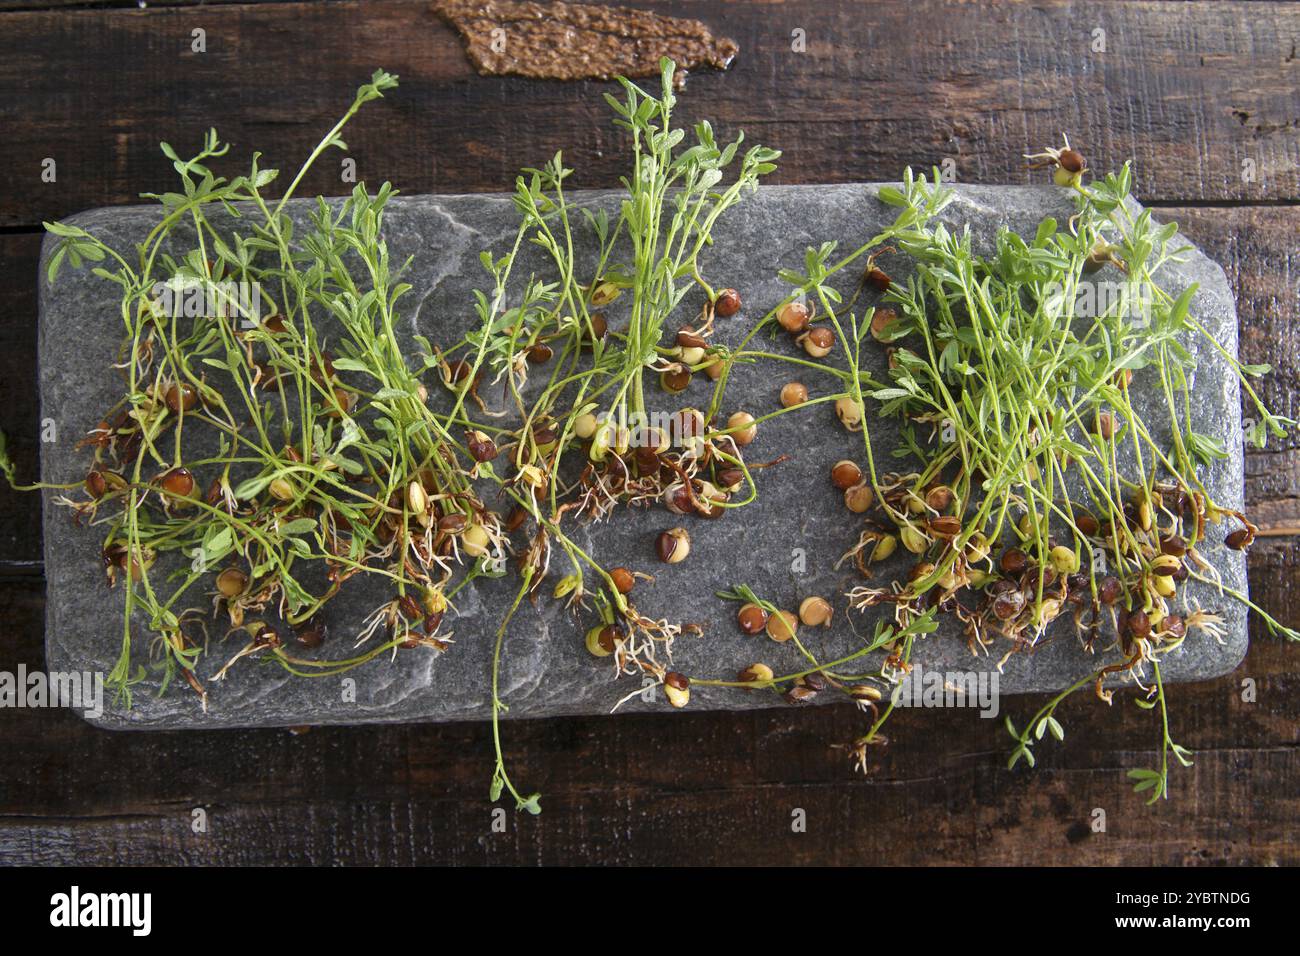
(1188, 97)
(693, 788)
(698, 788)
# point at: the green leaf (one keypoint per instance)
(252, 487)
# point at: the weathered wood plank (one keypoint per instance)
(691, 787)
(1189, 98)
(20, 519)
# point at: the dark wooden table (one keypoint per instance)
(1204, 97)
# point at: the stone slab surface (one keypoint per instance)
(546, 669)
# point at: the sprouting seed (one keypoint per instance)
(177, 483)
(677, 688)
(782, 626)
(231, 582)
(181, 396)
(751, 618)
(755, 674)
(818, 341)
(727, 303)
(849, 412)
(475, 540)
(675, 379)
(845, 474)
(672, 546)
(601, 640)
(623, 579)
(858, 498)
(481, 447)
(1064, 560)
(793, 393)
(742, 428)
(815, 612)
(793, 317)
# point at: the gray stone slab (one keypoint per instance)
(546, 669)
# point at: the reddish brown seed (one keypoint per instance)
(181, 396)
(214, 492)
(1238, 540)
(686, 425)
(273, 323)
(1087, 524)
(268, 378)
(96, 485)
(690, 340)
(845, 474)
(459, 371)
(815, 681)
(729, 479)
(608, 638)
(675, 379)
(752, 618)
(793, 317)
(178, 483)
(323, 371)
(481, 447)
(673, 546)
(647, 461)
(1105, 425)
(944, 526)
(1139, 625)
(311, 633)
(939, 497)
(599, 329)
(754, 673)
(1071, 160)
(878, 279)
(516, 518)
(539, 353)
(433, 621)
(727, 303)
(545, 437)
(410, 607)
(881, 322)
(1174, 626)
(819, 341)
(452, 524)
(793, 393)
(623, 579)
(1008, 604)
(677, 499)
(345, 401)
(1014, 561)
(707, 500)
(1108, 590)
(800, 694)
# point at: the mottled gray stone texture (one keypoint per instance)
(546, 669)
